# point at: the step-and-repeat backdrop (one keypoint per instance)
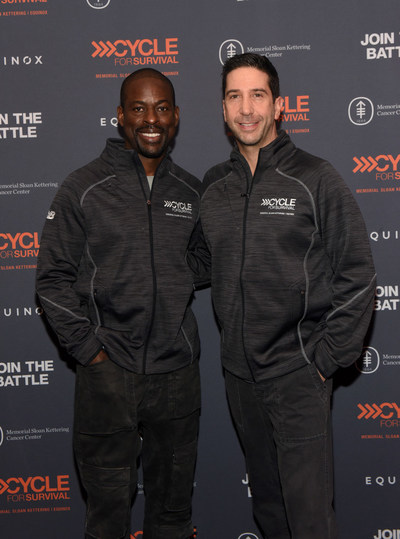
(61, 66)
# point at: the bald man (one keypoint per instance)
(114, 283)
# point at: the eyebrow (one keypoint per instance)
(251, 90)
(140, 102)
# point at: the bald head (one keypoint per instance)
(145, 73)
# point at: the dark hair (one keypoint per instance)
(249, 59)
(146, 72)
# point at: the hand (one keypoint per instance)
(101, 356)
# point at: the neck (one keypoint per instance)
(150, 164)
(250, 153)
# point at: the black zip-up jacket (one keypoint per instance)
(293, 280)
(112, 269)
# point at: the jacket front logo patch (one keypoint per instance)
(178, 209)
(278, 206)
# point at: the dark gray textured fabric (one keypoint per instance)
(120, 415)
(292, 273)
(112, 268)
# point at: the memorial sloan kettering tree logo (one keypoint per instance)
(369, 362)
(98, 4)
(230, 48)
(361, 111)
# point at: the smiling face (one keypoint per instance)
(149, 119)
(249, 108)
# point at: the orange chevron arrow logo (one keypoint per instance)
(364, 164)
(367, 411)
(372, 411)
(103, 49)
(382, 163)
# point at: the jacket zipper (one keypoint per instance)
(143, 178)
(153, 270)
(246, 206)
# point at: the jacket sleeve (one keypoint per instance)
(61, 250)
(198, 255)
(198, 258)
(353, 283)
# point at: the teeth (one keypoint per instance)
(152, 135)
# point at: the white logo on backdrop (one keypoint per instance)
(98, 4)
(369, 361)
(22, 60)
(380, 480)
(361, 111)
(230, 48)
(388, 534)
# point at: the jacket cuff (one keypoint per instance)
(324, 364)
(86, 352)
(91, 358)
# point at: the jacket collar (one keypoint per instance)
(123, 160)
(271, 155)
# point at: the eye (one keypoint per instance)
(162, 108)
(138, 108)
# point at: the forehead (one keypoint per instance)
(247, 78)
(148, 88)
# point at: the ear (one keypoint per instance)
(224, 109)
(120, 116)
(278, 106)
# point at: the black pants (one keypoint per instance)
(284, 425)
(119, 415)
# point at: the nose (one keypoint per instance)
(246, 106)
(151, 116)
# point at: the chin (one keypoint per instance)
(152, 154)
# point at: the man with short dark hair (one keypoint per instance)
(293, 287)
(114, 283)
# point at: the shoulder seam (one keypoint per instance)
(94, 185)
(184, 182)
(217, 181)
